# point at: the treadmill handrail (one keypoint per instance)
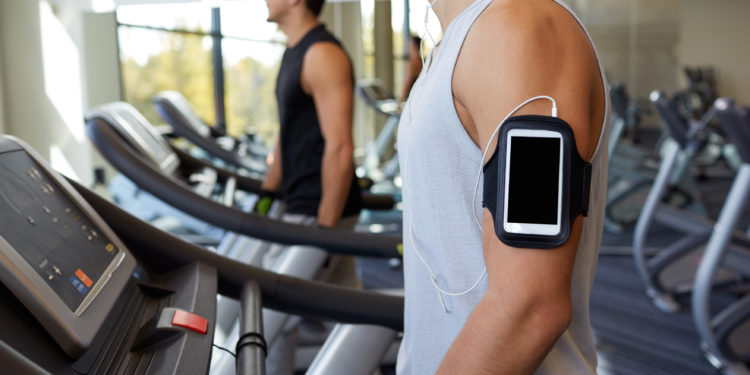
(179, 122)
(245, 183)
(187, 116)
(127, 161)
(369, 200)
(163, 252)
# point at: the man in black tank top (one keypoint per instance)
(313, 169)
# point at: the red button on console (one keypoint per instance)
(190, 321)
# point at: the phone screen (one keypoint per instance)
(533, 189)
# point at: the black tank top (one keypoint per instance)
(301, 140)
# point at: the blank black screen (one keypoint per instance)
(534, 180)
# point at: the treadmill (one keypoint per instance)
(114, 130)
(125, 139)
(86, 288)
(202, 175)
(175, 109)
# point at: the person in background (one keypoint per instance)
(313, 164)
(413, 66)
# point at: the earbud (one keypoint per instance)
(427, 10)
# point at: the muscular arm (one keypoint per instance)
(272, 182)
(527, 305)
(327, 76)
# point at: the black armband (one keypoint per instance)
(536, 183)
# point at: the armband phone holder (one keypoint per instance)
(536, 183)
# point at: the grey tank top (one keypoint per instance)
(439, 164)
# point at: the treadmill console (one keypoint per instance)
(132, 126)
(59, 259)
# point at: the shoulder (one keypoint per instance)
(528, 20)
(520, 49)
(325, 64)
(326, 54)
(527, 36)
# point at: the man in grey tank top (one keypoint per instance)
(473, 304)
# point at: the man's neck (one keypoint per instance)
(448, 10)
(296, 26)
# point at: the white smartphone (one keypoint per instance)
(533, 182)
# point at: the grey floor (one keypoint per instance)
(633, 337)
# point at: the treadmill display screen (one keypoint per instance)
(49, 231)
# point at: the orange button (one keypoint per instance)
(190, 321)
(84, 279)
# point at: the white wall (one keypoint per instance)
(716, 33)
(636, 40)
(646, 43)
(102, 70)
(101, 59)
(42, 81)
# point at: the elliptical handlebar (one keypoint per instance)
(730, 116)
(667, 110)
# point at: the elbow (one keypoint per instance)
(343, 151)
(563, 317)
(544, 316)
(552, 315)
(342, 147)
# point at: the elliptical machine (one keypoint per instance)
(725, 336)
(669, 272)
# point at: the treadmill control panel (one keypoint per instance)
(56, 239)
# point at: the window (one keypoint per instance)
(154, 61)
(175, 46)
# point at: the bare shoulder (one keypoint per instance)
(537, 31)
(327, 56)
(520, 49)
